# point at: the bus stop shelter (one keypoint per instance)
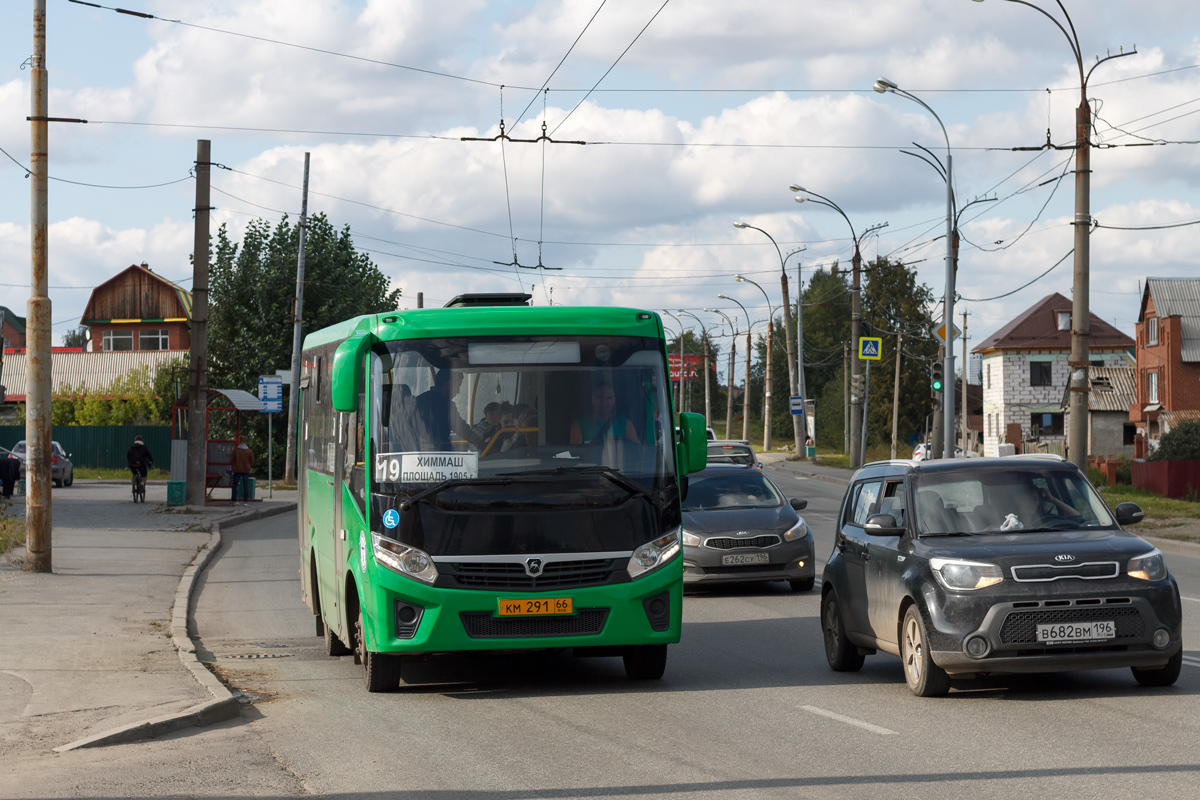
(223, 429)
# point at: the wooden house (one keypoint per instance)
(139, 310)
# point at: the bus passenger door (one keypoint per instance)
(339, 532)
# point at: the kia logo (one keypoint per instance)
(533, 567)
(1062, 558)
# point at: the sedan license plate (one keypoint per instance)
(1076, 632)
(538, 607)
(737, 559)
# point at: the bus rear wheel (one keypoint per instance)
(646, 662)
(381, 671)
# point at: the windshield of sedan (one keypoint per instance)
(730, 489)
(1007, 501)
(496, 408)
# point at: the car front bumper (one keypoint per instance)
(788, 561)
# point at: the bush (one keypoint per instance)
(1096, 476)
(1181, 443)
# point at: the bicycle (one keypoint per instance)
(139, 487)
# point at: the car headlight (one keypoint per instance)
(402, 559)
(964, 576)
(654, 554)
(797, 531)
(690, 539)
(1148, 566)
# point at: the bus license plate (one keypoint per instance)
(1076, 632)
(737, 559)
(534, 608)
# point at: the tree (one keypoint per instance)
(250, 288)
(76, 338)
(1181, 443)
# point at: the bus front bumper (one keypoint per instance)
(407, 617)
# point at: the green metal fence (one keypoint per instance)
(101, 446)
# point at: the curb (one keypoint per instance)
(820, 476)
(225, 704)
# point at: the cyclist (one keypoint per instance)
(139, 459)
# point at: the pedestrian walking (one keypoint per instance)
(241, 462)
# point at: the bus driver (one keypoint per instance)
(603, 422)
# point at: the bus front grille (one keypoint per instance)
(482, 625)
(512, 577)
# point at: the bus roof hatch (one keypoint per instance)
(490, 299)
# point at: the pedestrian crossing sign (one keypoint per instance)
(870, 348)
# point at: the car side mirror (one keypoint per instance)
(882, 525)
(798, 504)
(1129, 514)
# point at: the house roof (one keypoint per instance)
(1177, 297)
(1037, 329)
(1113, 389)
(90, 370)
(13, 319)
(1173, 418)
(183, 295)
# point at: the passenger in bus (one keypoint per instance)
(440, 416)
(603, 423)
(486, 428)
(526, 434)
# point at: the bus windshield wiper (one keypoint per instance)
(438, 488)
(614, 476)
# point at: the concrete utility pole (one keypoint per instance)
(966, 416)
(746, 384)
(289, 470)
(770, 346)
(707, 390)
(38, 526)
(800, 384)
(732, 352)
(896, 394)
(198, 366)
(846, 397)
(420, 299)
(855, 445)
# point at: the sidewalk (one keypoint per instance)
(806, 469)
(88, 648)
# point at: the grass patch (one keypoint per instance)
(12, 530)
(93, 473)
(1154, 505)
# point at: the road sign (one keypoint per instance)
(797, 405)
(270, 392)
(941, 332)
(870, 348)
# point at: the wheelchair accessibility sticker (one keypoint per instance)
(391, 518)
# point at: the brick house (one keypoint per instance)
(138, 310)
(1168, 357)
(1025, 371)
(13, 332)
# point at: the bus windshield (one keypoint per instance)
(493, 408)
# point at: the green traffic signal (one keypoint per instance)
(935, 377)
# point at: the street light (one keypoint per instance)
(1078, 385)
(704, 341)
(679, 408)
(884, 86)
(770, 347)
(732, 360)
(795, 350)
(746, 385)
(856, 389)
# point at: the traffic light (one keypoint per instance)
(935, 378)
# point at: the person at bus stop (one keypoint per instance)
(604, 422)
(138, 458)
(10, 473)
(439, 416)
(240, 462)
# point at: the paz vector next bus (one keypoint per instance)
(491, 476)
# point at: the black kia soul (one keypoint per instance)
(974, 567)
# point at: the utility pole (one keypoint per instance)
(289, 469)
(198, 366)
(38, 527)
(420, 299)
(746, 388)
(856, 377)
(729, 400)
(965, 413)
(846, 397)
(896, 394)
(802, 438)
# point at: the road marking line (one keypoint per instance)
(1192, 662)
(1193, 599)
(849, 720)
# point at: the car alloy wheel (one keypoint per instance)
(924, 678)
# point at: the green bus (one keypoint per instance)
(492, 476)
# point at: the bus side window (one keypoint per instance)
(356, 454)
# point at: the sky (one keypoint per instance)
(695, 114)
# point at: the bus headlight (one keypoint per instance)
(402, 559)
(654, 554)
(1148, 566)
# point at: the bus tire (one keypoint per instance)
(334, 646)
(645, 662)
(381, 671)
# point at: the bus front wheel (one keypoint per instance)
(646, 662)
(381, 672)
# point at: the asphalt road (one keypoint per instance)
(747, 709)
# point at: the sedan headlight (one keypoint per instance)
(654, 554)
(402, 559)
(962, 576)
(690, 539)
(1148, 566)
(797, 531)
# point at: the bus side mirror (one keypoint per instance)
(691, 454)
(347, 371)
